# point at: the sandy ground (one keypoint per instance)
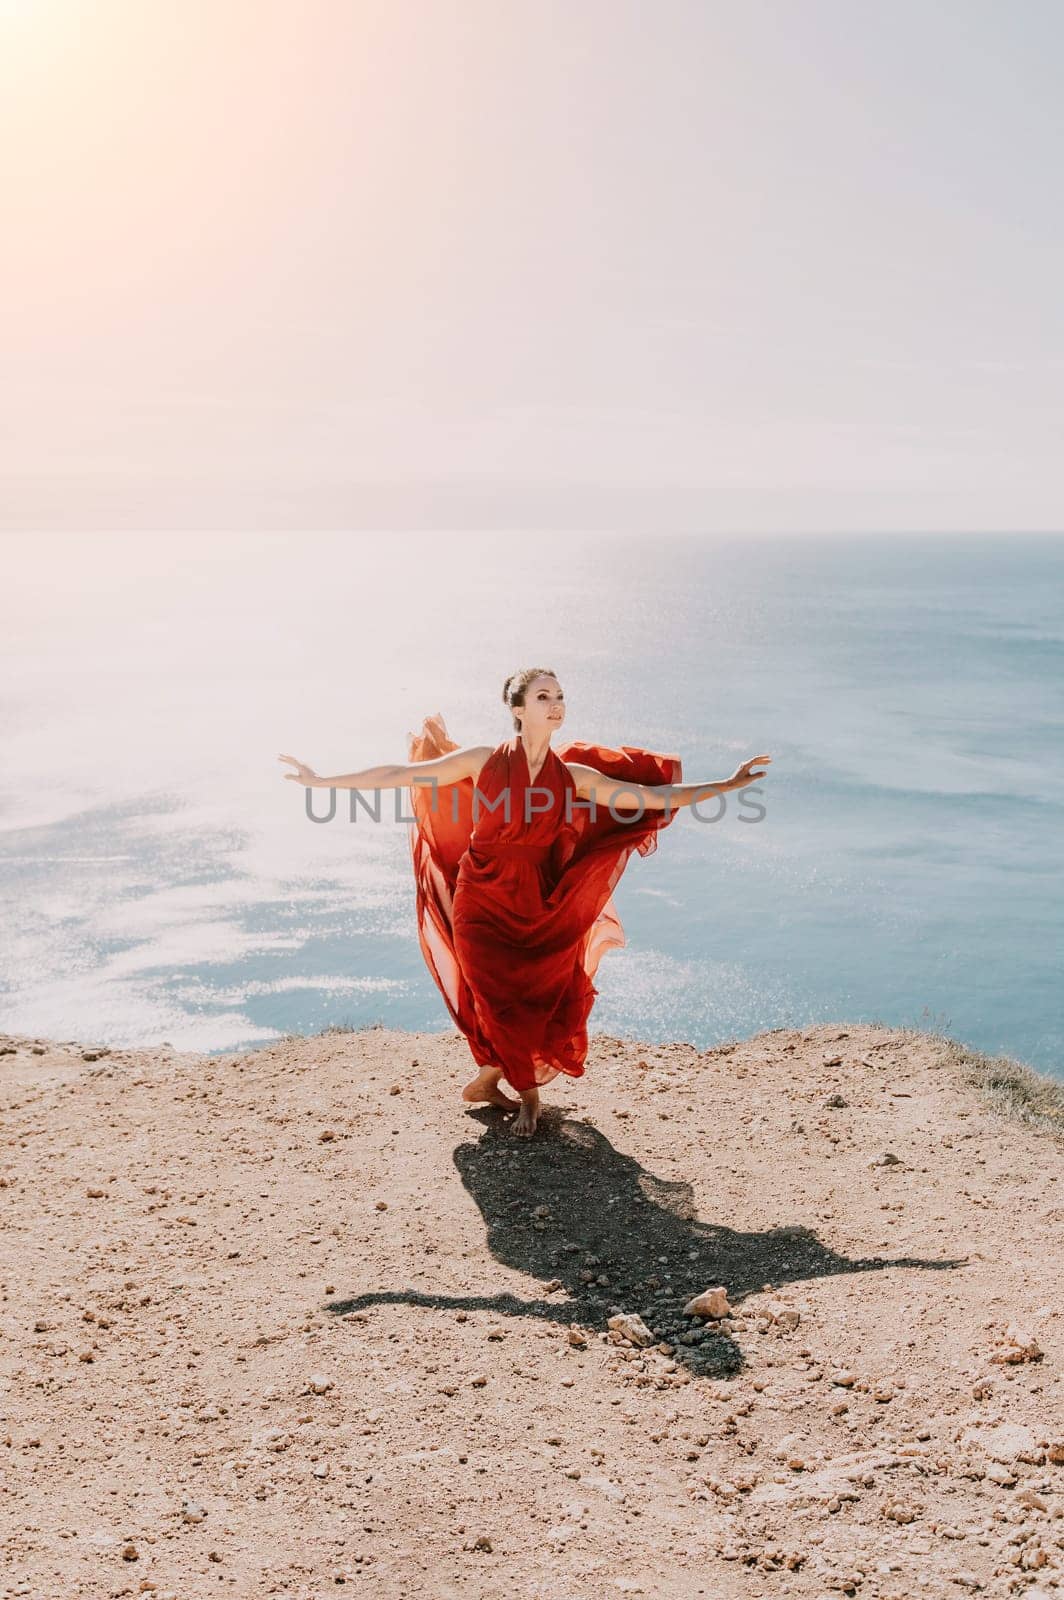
(299, 1322)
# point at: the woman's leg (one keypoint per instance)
(524, 1123)
(485, 1087)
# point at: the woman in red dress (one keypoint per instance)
(516, 850)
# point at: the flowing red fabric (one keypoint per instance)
(514, 911)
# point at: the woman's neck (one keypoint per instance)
(535, 758)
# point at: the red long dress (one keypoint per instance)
(514, 916)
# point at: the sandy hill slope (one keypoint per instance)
(299, 1322)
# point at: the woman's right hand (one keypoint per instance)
(304, 775)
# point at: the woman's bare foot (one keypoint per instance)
(524, 1124)
(485, 1086)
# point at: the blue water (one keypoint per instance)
(159, 879)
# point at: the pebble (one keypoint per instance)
(901, 1511)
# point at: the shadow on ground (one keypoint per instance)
(618, 1238)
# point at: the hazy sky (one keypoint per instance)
(778, 264)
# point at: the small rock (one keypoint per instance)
(318, 1384)
(886, 1158)
(710, 1303)
(631, 1327)
(777, 1314)
(1016, 1345)
(900, 1511)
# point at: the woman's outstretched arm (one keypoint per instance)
(594, 785)
(451, 768)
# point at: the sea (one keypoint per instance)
(902, 861)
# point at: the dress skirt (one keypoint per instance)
(513, 893)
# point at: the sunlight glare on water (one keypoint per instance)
(160, 879)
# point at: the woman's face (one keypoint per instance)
(543, 711)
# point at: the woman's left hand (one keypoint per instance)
(745, 774)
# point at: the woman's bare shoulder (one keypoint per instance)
(478, 758)
(579, 773)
